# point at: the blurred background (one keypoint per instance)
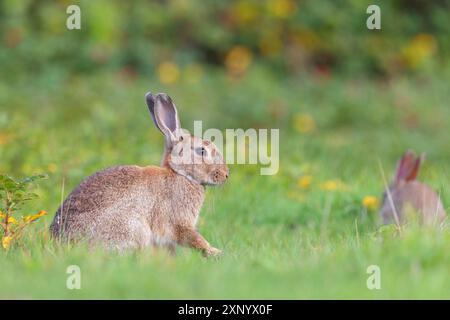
(72, 100)
(346, 99)
(175, 37)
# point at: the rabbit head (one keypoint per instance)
(407, 169)
(406, 192)
(198, 160)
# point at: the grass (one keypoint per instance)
(280, 240)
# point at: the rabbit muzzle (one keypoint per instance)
(218, 176)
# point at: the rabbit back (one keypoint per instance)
(127, 207)
(413, 195)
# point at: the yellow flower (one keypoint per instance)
(238, 60)
(6, 242)
(12, 220)
(421, 48)
(305, 182)
(304, 123)
(52, 167)
(332, 185)
(34, 216)
(281, 8)
(168, 72)
(370, 202)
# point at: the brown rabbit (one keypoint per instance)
(405, 191)
(134, 207)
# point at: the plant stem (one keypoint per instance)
(7, 214)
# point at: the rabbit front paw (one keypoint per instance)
(212, 252)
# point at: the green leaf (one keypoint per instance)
(7, 183)
(34, 178)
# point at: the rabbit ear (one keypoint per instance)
(150, 99)
(408, 167)
(164, 114)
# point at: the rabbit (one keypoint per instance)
(131, 207)
(406, 192)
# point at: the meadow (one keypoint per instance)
(310, 231)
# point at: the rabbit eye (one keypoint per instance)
(200, 151)
(181, 138)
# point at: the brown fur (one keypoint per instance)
(130, 206)
(135, 207)
(406, 192)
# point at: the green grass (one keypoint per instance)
(279, 240)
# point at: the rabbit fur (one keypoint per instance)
(130, 207)
(406, 192)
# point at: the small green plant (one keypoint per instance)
(13, 194)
